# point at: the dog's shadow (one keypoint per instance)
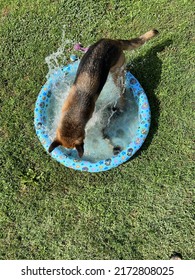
(147, 69)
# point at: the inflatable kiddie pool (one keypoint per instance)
(62, 155)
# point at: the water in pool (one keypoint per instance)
(109, 130)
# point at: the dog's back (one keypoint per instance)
(95, 65)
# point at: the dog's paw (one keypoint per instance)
(117, 150)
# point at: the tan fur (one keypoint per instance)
(85, 81)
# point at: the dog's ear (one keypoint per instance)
(53, 145)
(80, 149)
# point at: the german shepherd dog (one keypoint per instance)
(103, 56)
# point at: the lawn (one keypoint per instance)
(143, 209)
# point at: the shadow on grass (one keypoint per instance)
(147, 69)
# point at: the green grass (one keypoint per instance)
(143, 209)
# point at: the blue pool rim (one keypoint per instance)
(61, 155)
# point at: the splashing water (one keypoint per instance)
(108, 128)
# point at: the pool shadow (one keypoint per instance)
(147, 69)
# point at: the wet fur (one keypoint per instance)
(103, 57)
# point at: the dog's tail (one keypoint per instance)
(128, 45)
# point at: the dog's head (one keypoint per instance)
(69, 140)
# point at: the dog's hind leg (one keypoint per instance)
(118, 74)
(117, 71)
